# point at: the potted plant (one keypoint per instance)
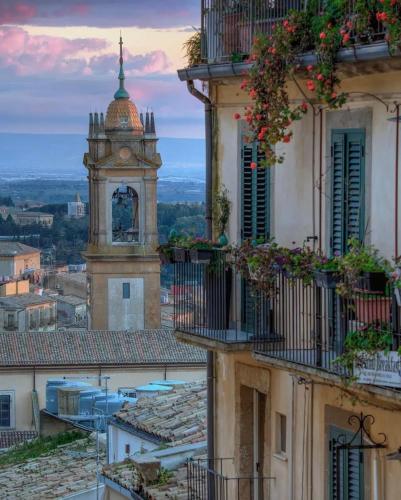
(365, 342)
(362, 268)
(296, 263)
(200, 251)
(222, 214)
(181, 246)
(166, 253)
(326, 272)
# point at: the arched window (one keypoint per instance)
(125, 216)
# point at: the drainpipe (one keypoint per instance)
(397, 154)
(208, 215)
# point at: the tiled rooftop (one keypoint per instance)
(95, 347)
(178, 417)
(71, 299)
(70, 468)
(125, 475)
(11, 438)
(13, 248)
(24, 300)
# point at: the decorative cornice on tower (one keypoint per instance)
(121, 92)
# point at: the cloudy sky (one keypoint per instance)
(59, 61)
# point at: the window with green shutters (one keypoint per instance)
(255, 221)
(345, 468)
(348, 193)
(255, 218)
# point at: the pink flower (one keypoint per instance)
(253, 165)
(237, 116)
(322, 35)
(287, 138)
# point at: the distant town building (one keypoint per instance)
(27, 312)
(17, 258)
(30, 218)
(71, 310)
(72, 284)
(14, 287)
(122, 263)
(76, 209)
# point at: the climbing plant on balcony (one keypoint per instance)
(276, 60)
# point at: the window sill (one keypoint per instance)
(281, 456)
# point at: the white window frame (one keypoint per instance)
(10, 393)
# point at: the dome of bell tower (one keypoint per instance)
(122, 114)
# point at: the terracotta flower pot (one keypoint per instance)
(372, 309)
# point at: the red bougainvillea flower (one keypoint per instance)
(253, 165)
(320, 77)
(322, 35)
(334, 95)
(287, 138)
(304, 106)
(253, 94)
(309, 67)
(346, 38)
(310, 85)
(237, 116)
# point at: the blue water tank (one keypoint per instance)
(52, 387)
(87, 400)
(173, 383)
(152, 390)
(113, 404)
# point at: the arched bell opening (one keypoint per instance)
(125, 215)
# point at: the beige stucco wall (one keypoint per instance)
(106, 309)
(307, 427)
(14, 288)
(295, 183)
(24, 381)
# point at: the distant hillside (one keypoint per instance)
(59, 157)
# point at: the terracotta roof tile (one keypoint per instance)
(95, 347)
(178, 417)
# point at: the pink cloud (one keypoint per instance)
(31, 54)
(16, 12)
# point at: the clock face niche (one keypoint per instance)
(125, 153)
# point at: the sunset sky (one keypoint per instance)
(59, 61)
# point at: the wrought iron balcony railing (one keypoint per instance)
(207, 481)
(229, 26)
(303, 324)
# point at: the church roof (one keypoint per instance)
(123, 115)
(96, 347)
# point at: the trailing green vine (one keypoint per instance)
(276, 60)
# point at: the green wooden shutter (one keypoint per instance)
(348, 204)
(346, 480)
(255, 206)
(255, 219)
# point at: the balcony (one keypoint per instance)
(228, 26)
(207, 306)
(302, 324)
(205, 482)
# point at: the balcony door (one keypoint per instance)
(255, 219)
(348, 192)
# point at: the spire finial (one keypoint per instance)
(121, 92)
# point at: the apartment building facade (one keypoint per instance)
(290, 425)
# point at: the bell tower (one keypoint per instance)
(123, 268)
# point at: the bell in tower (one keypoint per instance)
(123, 267)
